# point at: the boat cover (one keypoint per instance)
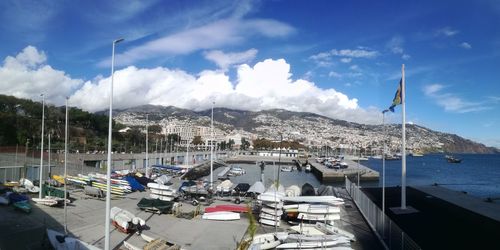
(292, 191)
(325, 190)
(163, 179)
(162, 206)
(143, 180)
(308, 190)
(242, 187)
(134, 184)
(257, 188)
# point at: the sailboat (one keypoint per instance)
(58, 240)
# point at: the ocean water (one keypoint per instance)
(477, 174)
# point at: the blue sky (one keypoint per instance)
(341, 59)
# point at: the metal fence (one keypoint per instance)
(391, 236)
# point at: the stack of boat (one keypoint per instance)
(118, 186)
(272, 206)
(162, 192)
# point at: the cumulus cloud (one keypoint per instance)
(224, 60)
(27, 76)
(266, 85)
(228, 32)
(451, 102)
(466, 45)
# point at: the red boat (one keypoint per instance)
(227, 208)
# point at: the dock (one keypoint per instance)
(326, 175)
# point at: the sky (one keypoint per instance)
(341, 59)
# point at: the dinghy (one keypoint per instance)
(161, 197)
(126, 221)
(223, 216)
(267, 241)
(227, 208)
(270, 222)
(334, 230)
(61, 242)
(318, 217)
(313, 244)
(46, 201)
(318, 209)
(317, 199)
(268, 210)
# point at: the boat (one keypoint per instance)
(325, 237)
(292, 191)
(126, 221)
(452, 159)
(159, 186)
(271, 211)
(222, 216)
(164, 192)
(24, 206)
(46, 201)
(308, 190)
(270, 197)
(29, 185)
(61, 242)
(267, 241)
(308, 168)
(287, 169)
(317, 199)
(236, 171)
(334, 230)
(318, 209)
(224, 187)
(161, 197)
(269, 216)
(257, 188)
(152, 243)
(313, 244)
(156, 205)
(227, 208)
(270, 222)
(318, 217)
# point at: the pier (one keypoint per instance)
(355, 169)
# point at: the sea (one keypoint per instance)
(477, 175)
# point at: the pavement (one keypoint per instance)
(444, 219)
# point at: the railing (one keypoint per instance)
(391, 236)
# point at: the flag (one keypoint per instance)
(398, 99)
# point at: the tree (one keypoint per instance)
(155, 129)
(197, 140)
(244, 144)
(230, 143)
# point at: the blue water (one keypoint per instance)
(477, 174)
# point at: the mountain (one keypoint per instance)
(308, 128)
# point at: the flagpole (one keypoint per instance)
(383, 175)
(403, 145)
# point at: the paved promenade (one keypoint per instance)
(325, 174)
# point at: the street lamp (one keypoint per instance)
(41, 148)
(212, 151)
(108, 180)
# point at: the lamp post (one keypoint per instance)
(108, 175)
(65, 168)
(41, 148)
(212, 150)
(147, 146)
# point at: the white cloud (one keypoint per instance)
(405, 57)
(354, 67)
(324, 59)
(267, 84)
(334, 74)
(446, 31)
(27, 76)
(466, 45)
(452, 102)
(395, 45)
(346, 60)
(224, 60)
(211, 36)
(355, 53)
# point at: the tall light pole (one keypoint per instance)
(65, 168)
(108, 175)
(383, 175)
(41, 148)
(147, 146)
(212, 150)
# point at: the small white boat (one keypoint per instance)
(272, 205)
(224, 216)
(292, 191)
(270, 197)
(60, 242)
(317, 199)
(269, 216)
(334, 230)
(312, 244)
(318, 217)
(267, 241)
(158, 186)
(273, 211)
(307, 229)
(161, 197)
(46, 201)
(325, 237)
(236, 171)
(318, 209)
(287, 169)
(164, 192)
(270, 222)
(308, 168)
